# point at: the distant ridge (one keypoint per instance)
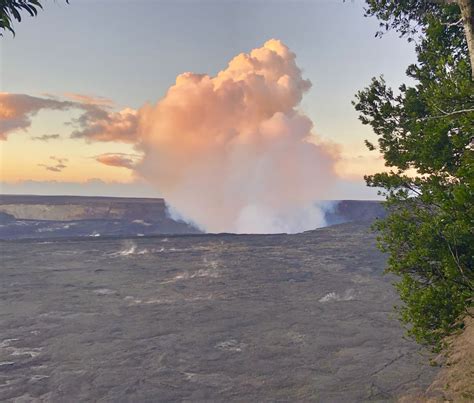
(354, 211)
(64, 208)
(65, 199)
(30, 216)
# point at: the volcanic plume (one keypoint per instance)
(232, 152)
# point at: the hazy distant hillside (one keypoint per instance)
(71, 216)
(354, 210)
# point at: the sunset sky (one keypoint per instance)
(116, 56)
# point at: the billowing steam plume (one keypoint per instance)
(232, 153)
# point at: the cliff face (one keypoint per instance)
(71, 216)
(454, 383)
(68, 216)
(354, 210)
(69, 208)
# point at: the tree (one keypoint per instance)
(11, 10)
(407, 16)
(426, 135)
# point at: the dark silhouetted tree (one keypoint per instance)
(11, 10)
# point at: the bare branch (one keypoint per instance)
(452, 24)
(446, 114)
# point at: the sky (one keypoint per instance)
(113, 55)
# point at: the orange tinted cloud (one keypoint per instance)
(95, 123)
(88, 99)
(16, 111)
(117, 160)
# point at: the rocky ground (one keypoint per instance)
(455, 382)
(248, 318)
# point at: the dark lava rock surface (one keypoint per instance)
(246, 318)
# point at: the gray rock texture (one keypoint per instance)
(247, 318)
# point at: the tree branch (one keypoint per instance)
(445, 114)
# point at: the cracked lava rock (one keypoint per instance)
(306, 317)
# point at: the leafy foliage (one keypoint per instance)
(426, 134)
(408, 16)
(11, 10)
